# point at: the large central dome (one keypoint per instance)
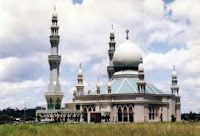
(127, 54)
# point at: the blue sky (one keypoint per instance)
(168, 33)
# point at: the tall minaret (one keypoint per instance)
(54, 95)
(141, 82)
(80, 86)
(174, 87)
(111, 51)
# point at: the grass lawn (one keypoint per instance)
(122, 129)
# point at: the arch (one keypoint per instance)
(85, 114)
(125, 109)
(93, 109)
(125, 113)
(90, 108)
(131, 113)
(130, 109)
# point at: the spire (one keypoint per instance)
(141, 82)
(80, 86)
(89, 89)
(74, 93)
(174, 87)
(54, 26)
(111, 51)
(127, 31)
(98, 86)
(109, 85)
(112, 34)
(54, 15)
(80, 71)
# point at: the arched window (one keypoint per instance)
(90, 109)
(85, 114)
(119, 114)
(131, 119)
(125, 113)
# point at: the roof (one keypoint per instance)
(128, 85)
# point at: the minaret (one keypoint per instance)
(141, 82)
(109, 85)
(74, 93)
(80, 86)
(98, 87)
(89, 89)
(111, 51)
(174, 87)
(54, 95)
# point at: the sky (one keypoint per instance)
(167, 31)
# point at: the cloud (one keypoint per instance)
(161, 61)
(23, 68)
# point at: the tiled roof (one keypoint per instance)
(128, 85)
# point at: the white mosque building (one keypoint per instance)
(126, 97)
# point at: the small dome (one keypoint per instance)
(89, 88)
(174, 73)
(54, 14)
(127, 54)
(80, 72)
(112, 32)
(109, 84)
(141, 67)
(74, 90)
(98, 84)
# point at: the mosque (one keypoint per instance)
(126, 97)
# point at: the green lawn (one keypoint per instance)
(125, 129)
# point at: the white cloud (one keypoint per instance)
(189, 91)
(161, 61)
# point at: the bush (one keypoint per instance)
(173, 118)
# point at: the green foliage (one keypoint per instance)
(9, 115)
(121, 129)
(193, 117)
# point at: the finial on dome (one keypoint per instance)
(127, 31)
(112, 26)
(54, 15)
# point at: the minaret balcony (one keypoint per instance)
(112, 42)
(110, 68)
(54, 94)
(54, 58)
(54, 27)
(111, 51)
(54, 37)
(141, 82)
(174, 87)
